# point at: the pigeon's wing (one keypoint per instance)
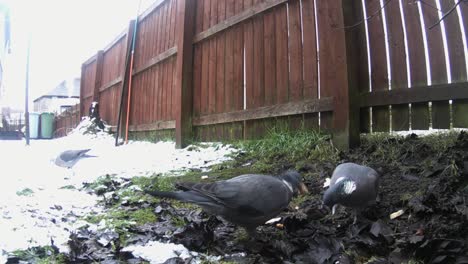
(253, 195)
(70, 155)
(374, 178)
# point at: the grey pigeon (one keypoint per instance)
(353, 186)
(247, 200)
(69, 158)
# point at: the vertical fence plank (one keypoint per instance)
(399, 78)
(309, 59)
(229, 61)
(249, 68)
(197, 70)
(281, 36)
(295, 51)
(212, 61)
(296, 85)
(259, 69)
(164, 89)
(419, 111)
(220, 68)
(270, 59)
(212, 69)
(98, 78)
(237, 129)
(440, 109)
(205, 58)
(457, 61)
(82, 84)
(379, 77)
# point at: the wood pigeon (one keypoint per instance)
(352, 185)
(247, 200)
(69, 158)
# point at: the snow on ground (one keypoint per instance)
(159, 252)
(34, 206)
(427, 132)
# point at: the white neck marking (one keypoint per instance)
(288, 185)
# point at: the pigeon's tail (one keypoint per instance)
(88, 156)
(171, 195)
(188, 197)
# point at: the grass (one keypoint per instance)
(121, 219)
(68, 187)
(40, 255)
(283, 145)
(25, 192)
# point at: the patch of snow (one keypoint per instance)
(156, 252)
(427, 132)
(35, 209)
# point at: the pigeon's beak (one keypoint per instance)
(303, 188)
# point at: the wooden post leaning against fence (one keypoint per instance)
(346, 108)
(185, 21)
(124, 82)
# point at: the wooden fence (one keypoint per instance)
(220, 69)
(67, 121)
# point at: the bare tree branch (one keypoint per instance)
(367, 18)
(447, 14)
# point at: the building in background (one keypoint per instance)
(4, 50)
(59, 99)
(4, 40)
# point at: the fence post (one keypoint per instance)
(346, 108)
(98, 78)
(184, 72)
(82, 83)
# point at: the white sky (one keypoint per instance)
(64, 33)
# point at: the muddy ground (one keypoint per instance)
(427, 179)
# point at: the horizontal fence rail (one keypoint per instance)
(226, 69)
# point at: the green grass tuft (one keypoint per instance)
(25, 192)
(291, 146)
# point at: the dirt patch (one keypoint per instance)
(424, 178)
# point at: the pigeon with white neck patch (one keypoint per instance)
(353, 186)
(69, 158)
(247, 200)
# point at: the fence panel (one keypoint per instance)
(419, 111)
(456, 56)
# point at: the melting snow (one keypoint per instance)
(158, 252)
(35, 208)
